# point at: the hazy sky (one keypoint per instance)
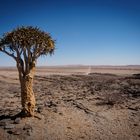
(95, 32)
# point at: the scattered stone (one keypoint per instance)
(10, 132)
(50, 104)
(39, 109)
(135, 124)
(27, 127)
(15, 131)
(74, 102)
(2, 123)
(82, 107)
(60, 113)
(69, 127)
(55, 110)
(9, 126)
(131, 108)
(29, 132)
(17, 120)
(38, 116)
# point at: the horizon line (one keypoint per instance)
(74, 65)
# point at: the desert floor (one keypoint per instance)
(74, 103)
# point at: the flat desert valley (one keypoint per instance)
(74, 103)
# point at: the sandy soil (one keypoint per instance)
(74, 104)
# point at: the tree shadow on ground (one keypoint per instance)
(12, 117)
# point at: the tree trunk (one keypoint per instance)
(27, 95)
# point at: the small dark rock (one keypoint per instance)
(2, 123)
(131, 108)
(69, 127)
(27, 127)
(60, 113)
(10, 132)
(15, 131)
(39, 109)
(55, 110)
(135, 124)
(50, 104)
(29, 132)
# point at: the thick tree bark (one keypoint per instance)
(27, 94)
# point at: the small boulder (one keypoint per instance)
(17, 120)
(9, 126)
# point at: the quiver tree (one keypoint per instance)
(25, 45)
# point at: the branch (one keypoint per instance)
(25, 60)
(29, 58)
(20, 61)
(12, 55)
(36, 51)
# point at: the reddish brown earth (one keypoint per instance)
(73, 106)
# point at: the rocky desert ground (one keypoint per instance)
(74, 103)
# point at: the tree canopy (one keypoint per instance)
(26, 44)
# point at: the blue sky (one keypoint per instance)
(88, 32)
